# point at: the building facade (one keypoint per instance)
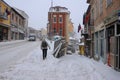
(4, 21)
(17, 25)
(22, 23)
(70, 29)
(58, 18)
(13, 23)
(26, 17)
(87, 33)
(105, 34)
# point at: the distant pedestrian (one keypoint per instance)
(44, 47)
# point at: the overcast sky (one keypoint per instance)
(37, 10)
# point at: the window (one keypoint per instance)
(95, 16)
(92, 17)
(60, 32)
(118, 28)
(19, 21)
(5, 15)
(54, 19)
(60, 19)
(101, 6)
(16, 19)
(108, 2)
(57, 9)
(0, 9)
(54, 30)
(12, 16)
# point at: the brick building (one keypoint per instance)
(105, 32)
(58, 18)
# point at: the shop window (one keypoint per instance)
(118, 28)
(102, 33)
(110, 31)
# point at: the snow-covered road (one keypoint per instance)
(68, 67)
(12, 52)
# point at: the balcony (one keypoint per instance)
(3, 16)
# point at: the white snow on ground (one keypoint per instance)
(68, 67)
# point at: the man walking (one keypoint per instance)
(44, 47)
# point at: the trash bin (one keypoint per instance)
(81, 48)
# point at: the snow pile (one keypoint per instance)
(68, 67)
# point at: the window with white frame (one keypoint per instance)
(60, 19)
(108, 2)
(54, 18)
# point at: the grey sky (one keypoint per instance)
(37, 10)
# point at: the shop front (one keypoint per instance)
(14, 33)
(21, 34)
(112, 23)
(3, 33)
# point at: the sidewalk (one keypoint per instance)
(68, 67)
(2, 44)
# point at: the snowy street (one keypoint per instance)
(68, 67)
(11, 52)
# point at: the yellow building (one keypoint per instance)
(70, 28)
(4, 21)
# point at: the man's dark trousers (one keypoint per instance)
(44, 53)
